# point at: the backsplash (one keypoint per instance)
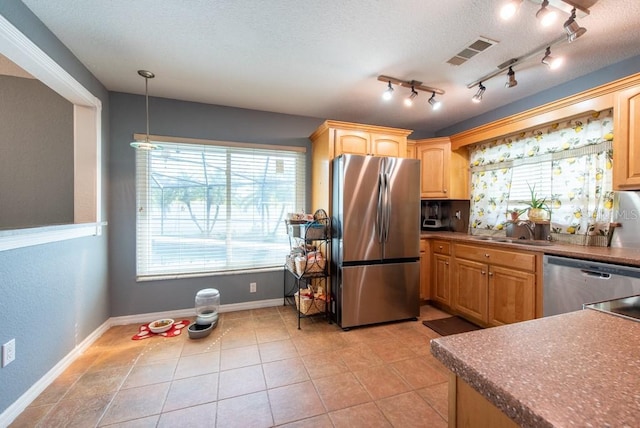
(627, 213)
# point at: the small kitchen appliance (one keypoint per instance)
(432, 219)
(207, 305)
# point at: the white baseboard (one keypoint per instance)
(14, 410)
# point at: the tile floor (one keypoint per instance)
(256, 369)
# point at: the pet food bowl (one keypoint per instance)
(198, 331)
(160, 326)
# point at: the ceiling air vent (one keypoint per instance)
(481, 44)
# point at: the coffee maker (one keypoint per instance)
(432, 215)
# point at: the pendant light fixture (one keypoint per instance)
(511, 79)
(146, 144)
(409, 100)
(573, 29)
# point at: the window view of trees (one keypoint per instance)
(215, 208)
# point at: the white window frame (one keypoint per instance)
(142, 194)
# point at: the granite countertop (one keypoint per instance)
(576, 369)
(627, 256)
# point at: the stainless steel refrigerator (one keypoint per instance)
(375, 239)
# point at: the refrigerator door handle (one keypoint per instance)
(379, 211)
(387, 220)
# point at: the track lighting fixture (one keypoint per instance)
(478, 96)
(545, 15)
(511, 79)
(550, 61)
(388, 93)
(415, 87)
(146, 144)
(573, 29)
(435, 104)
(409, 100)
(509, 9)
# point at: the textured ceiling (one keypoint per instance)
(322, 58)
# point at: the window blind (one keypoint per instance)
(215, 208)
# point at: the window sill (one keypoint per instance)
(20, 238)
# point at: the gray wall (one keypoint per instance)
(36, 165)
(600, 77)
(51, 296)
(191, 120)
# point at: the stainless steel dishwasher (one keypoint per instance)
(571, 283)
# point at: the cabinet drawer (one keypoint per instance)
(424, 245)
(511, 258)
(442, 247)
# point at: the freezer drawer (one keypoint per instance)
(378, 293)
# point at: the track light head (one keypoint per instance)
(545, 15)
(573, 29)
(388, 93)
(435, 104)
(550, 61)
(478, 96)
(409, 100)
(511, 79)
(509, 9)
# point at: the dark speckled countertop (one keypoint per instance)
(576, 369)
(627, 256)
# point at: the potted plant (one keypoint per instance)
(538, 209)
(515, 214)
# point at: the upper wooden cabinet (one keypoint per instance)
(444, 174)
(626, 142)
(411, 149)
(334, 138)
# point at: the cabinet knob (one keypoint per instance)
(440, 247)
(483, 272)
(446, 263)
(490, 273)
(445, 190)
(486, 255)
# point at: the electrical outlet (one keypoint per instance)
(252, 287)
(8, 352)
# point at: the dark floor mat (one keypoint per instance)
(450, 325)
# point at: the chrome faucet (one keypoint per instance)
(530, 226)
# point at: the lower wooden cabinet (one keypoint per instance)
(487, 289)
(425, 270)
(512, 296)
(441, 283)
(470, 288)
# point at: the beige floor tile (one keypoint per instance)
(246, 411)
(363, 416)
(340, 391)
(241, 381)
(284, 372)
(418, 373)
(103, 382)
(295, 402)
(206, 344)
(392, 350)
(192, 391)
(240, 324)
(119, 356)
(237, 338)
(58, 388)
(159, 349)
(272, 333)
(265, 312)
(203, 416)
(438, 397)
(31, 416)
(148, 422)
(381, 382)
(85, 412)
(198, 364)
(325, 364)
(410, 410)
(279, 350)
(360, 357)
(239, 357)
(136, 403)
(148, 374)
(321, 421)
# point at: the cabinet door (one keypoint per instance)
(470, 289)
(388, 145)
(411, 149)
(441, 279)
(352, 142)
(434, 175)
(626, 165)
(425, 271)
(511, 295)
